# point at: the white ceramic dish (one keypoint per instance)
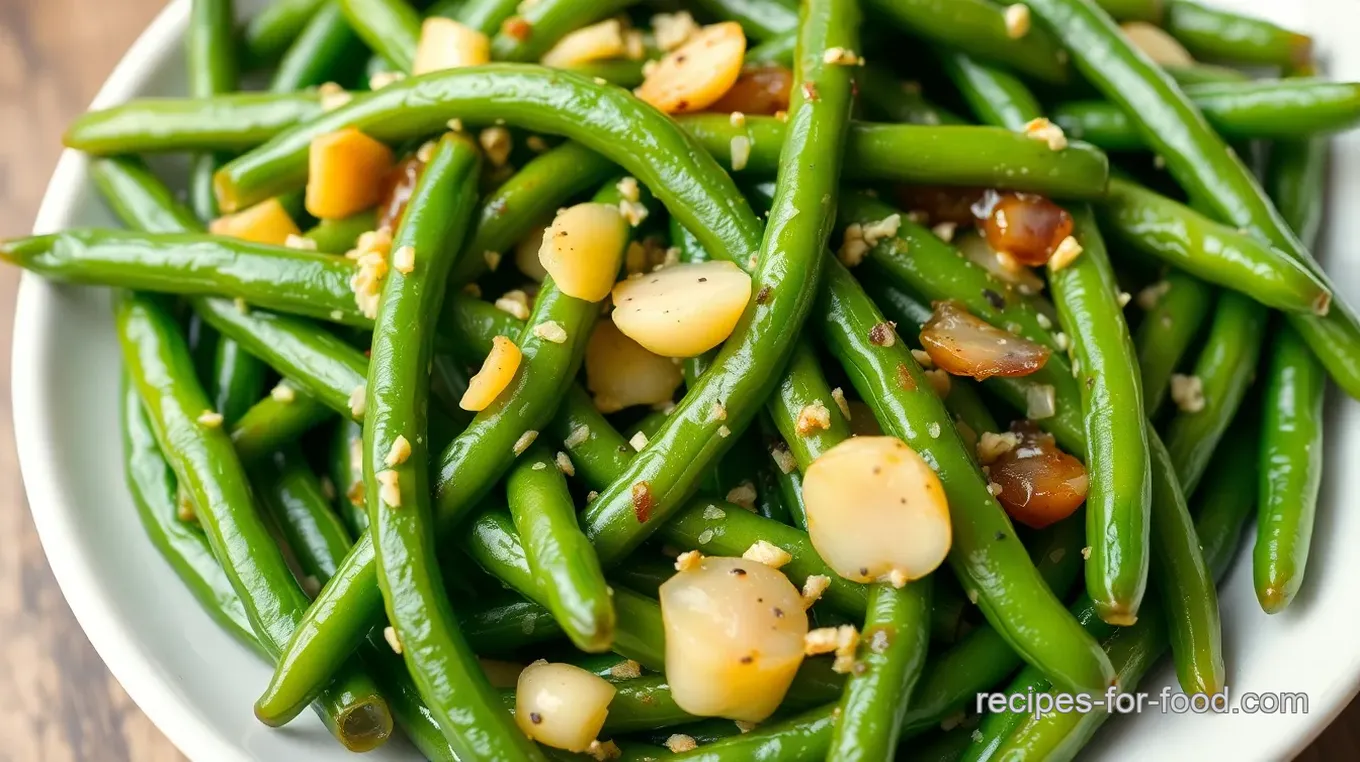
(198, 685)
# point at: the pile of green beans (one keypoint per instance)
(303, 463)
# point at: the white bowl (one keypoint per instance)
(198, 685)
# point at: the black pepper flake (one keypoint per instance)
(778, 612)
(739, 572)
(996, 300)
(748, 659)
(763, 295)
(703, 280)
(1000, 536)
(863, 571)
(535, 718)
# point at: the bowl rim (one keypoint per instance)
(125, 657)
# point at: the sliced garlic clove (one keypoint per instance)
(683, 310)
(734, 638)
(876, 511)
(561, 705)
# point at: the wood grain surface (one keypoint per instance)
(57, 700)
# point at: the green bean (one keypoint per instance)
(761, 20)
(558, 554)
(623, 72)
(1226, 499)
(210, 53)
(922, 155)
(486, 16)
(644, 703)
(1214, 34)
(237, 380)
(346, 473)
(892, 100)
(1185, 585)
(272, 423)
(273, 29)
(533, 194)
(339, 236)
(789, 260)
(291, 493)
(805, 737)
(390, 28)
(323, 364)
(1261, 109)
(1212, 174)
(1117, 503)
(436, 652)
(770, 492)
(1181, 237)
(601, 454)
(1292, 441)
(468, 468)
(414, 718)
(1296, 179)
(506, 624)
(1167, 331)
(1205, 74)
(549, 21)
(984, 545)
(888, 662)
(205, 464)
(803, 384)
(273, 277)
(996, 96)
(1225, 369)
(138, 198)
(155, 492)
(228, 123)
(1150, 11)
(979, 28)
(293, 496)
(323, 52)
(942, 746)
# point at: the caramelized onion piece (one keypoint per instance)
(1026, 226)
(397, 191)
(1006, 269)
(940, 203)
(1040, 484)
(962, 344)
(761, 90)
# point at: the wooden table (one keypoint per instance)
(57, 700)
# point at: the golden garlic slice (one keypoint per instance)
(683, 310)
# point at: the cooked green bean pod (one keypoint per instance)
(1181, 237)
(1212, 395)
(922, 155)
(202, 456)
(1168, 330)
(558, 554)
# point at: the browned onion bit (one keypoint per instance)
(400, 185)
(1040, 484)
(940, 203)
(962, 344)
(758, 91)
(1025, 226)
